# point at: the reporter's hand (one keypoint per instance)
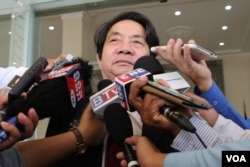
(52, 61)
(3, 100)
(29, 122)
(92, 127)
(149, 108)
(211, 115)
(147, 153)
(196, 70)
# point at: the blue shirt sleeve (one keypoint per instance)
(217, 99)
(205, 157)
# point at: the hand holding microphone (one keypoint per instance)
(31, 76)
(59, 91)
(149, 108)
(10, 134)
(177, 118)
(124, 88)
(119, 127)
(106, 95)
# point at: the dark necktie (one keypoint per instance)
(110, 159)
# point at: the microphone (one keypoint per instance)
(144, 66)
(149, 63)
(123, 85)
(174, 79)
(103, 84)
(106, 95)
(60, 91)
(119, 127)
(178, 119)
(107, 91)
(124, 81)
(31, 76)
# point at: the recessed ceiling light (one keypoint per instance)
(177, 13)
(9, 32)
(51, 28)
(224, 27)
(228, 7)
(13, 15)
(221, 43)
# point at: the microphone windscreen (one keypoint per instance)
(150, 64)
(51, 96)
(103, 84)
(118, 123)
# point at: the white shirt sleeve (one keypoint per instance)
(8, 73)
(187, 141)
(228, 127)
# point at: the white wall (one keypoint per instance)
(237, 81)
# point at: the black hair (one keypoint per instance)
(101, 33)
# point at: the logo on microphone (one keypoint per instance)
(123, 85)
(104, 96)
(132, 75)
(121, 94)
(75, 85)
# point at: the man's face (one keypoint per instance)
(124, 44)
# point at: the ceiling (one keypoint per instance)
(200, 19)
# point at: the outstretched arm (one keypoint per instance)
(148, 155)
(200, 74)
(47, 151)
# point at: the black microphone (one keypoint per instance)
(119, 127)
(103, 84)
(61, 91)
(152, 65)
(173, 78)
(31, 76)
(178, 119)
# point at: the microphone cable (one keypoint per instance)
(199, 138)
(181, 121)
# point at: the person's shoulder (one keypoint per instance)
(13, 69)
(20, 70)
(8, 73)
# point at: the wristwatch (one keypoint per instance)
(81, 146)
